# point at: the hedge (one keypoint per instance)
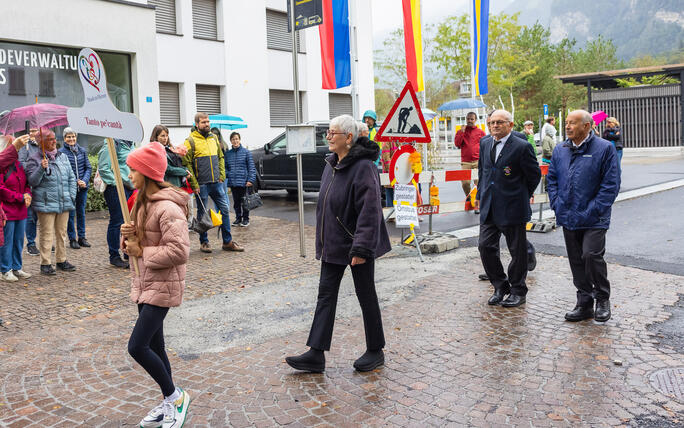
(96, 200)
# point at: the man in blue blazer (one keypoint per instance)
(508, 173)
(583, 182)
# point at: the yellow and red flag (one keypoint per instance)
(413, 43)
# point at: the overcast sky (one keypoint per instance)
(387, 14)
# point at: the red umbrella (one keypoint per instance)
(599, 116)
(38, 115)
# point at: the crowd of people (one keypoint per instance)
(44, 191)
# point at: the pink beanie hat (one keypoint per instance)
(149, 160)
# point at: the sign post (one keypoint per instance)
(300, 139)
(100, 117)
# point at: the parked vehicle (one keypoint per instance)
(278, 170)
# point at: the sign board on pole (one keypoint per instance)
(308, 13)
(99, 116)
(300, 139)
(546, 111)
(405, 121)
(405, 205)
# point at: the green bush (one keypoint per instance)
(96, 200)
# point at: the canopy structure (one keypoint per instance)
(462, 104)
(224, 121)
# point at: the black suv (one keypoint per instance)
(278, 170)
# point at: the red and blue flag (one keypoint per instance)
(335, 52)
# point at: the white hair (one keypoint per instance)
(68, 131)
(362, 127)
(585, 115)
(346, 124)
(506, 114)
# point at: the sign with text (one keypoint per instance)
(428, 209)
(405, 205)
(300, 139)
(99, 116)
(308, 13)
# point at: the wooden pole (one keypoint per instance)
(120, 192)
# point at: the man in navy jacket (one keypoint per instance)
(582, 183)
(508, 173)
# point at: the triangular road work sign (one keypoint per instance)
(405, 122)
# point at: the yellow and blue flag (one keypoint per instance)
(480, 42)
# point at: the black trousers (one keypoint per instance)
(586, 248)
(146, 346)
(516, 240)
(320, 335)
(238, 193)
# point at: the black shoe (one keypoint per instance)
(312, 361)
(496, 298)
(53, 249)
(602, 313)
(119, 263)
(32, 250)
(66, 266)
(513, 300)
(244, 223)
(370, 360)
(83, 242)
(236, 222)
(74, 244)
(476, 212)
(47, 270)
(483, 277)
(531, 262)
(580, 313)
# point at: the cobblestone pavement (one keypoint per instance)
(451, 360)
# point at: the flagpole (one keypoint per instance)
(472, 49)
(354, 59)
(298, 119)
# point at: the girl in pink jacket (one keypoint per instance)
(158, 237)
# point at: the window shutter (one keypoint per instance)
(339, 104)
(169, 103)
(208, 99)
(277, 36)
(46, 86)
(281, 105)
(204, 19)
(165, 14)
(17, 81)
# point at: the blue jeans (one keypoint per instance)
(79, 213)
(115, 220)
(31, 222)
(217, 192)
(10, 253)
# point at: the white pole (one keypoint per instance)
(472, 50)
(354, 59)
(298, 119)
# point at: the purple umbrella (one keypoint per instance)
(38, 115)
(599, 116)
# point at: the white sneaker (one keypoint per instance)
(9, 276)
(174, 413)
(154, 419)
(21, 274)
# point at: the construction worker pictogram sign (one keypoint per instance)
(405, 121)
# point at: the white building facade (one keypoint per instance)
(168, 59)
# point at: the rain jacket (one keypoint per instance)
(12, 192)
(349, 218)
(583, 183)
(204, 159)
(104, 164)
(614, 135)
(166, 249)
(79, 162)
(239, 167)
(54, 192)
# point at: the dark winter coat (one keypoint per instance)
(239, 167)
(175, 171)
(505, 187)
(80, 164)
(583, 183)
(614, 135)
(349, 219)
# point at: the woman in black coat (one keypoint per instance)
(350, 230)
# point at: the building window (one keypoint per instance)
(204, 19)
(277, 36)
(339, 104)
(208, 99)
(165, 15)
(17, 81)
(47, 84)
(169, 103)
(281, 105)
